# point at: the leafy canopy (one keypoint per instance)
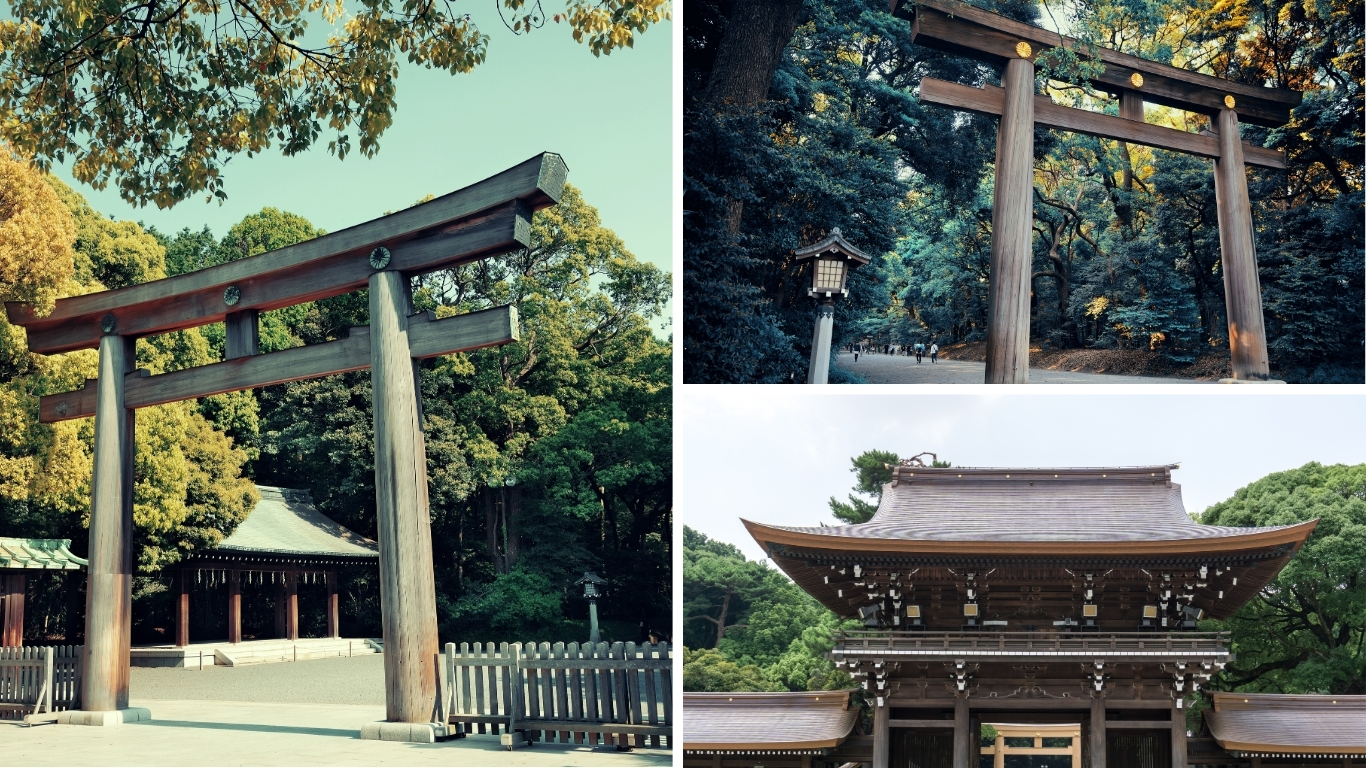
(157, 98)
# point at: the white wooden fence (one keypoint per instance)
(36, 679)
(620, 693)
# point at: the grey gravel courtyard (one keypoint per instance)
(302, 713)
(896, 369)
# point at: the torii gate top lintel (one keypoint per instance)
(486, 218)
(959, 28)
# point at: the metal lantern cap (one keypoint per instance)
(590, 582)
(833, 258)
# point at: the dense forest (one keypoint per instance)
(546, 457)
(749, 628)
(802, 115)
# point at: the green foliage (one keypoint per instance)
(874, 470)
(706, 669)
(517, 604)
(1305, 632)
(776, 636)
(158, 100)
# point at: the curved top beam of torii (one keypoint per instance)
(962, 29)
(487, 218)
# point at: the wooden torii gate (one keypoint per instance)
(485, 219)
(963, 30)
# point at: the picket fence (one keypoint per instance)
(39, 678)
(620, 693)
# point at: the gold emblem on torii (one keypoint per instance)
(1023, 50)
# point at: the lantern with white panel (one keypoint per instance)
(832, 260)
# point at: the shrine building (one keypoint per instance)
(1039, 597)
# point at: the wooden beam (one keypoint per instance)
(492, 232)
(182, 608)
(962, 736)
(428, 337)
(1098, 727)
(967, 31)
(1238, 258)
(989, 100)
(903, 723)
(13, 588)
(882, 736)
(292, 605)
(333, 624)
(1138, 725)
(234, 606)
(242, 331)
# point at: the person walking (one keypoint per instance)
(919, 352)
(934, 352)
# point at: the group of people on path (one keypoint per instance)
(918, 349)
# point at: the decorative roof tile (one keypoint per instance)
(39, 554)
(766, 721)
(1257, 723)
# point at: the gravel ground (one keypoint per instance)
(895, 369)
(358, 680)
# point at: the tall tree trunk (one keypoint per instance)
(756, 34)
(721, 621)
(491, 529)
(512, 503)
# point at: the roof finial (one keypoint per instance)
(835, 232)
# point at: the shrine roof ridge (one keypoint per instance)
(786, 720)
(25, 554)
(1301, 724)
(285, 522)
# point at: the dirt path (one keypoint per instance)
(894, 369)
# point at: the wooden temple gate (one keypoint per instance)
(963, 30)
(489, 218)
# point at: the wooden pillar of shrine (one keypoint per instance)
(1097, 745)
(407, 583)
(882, 736)
(292, 605)
(333, 616)
(109, 586)
(1238, 255)
(963, 750)
(281, 608)
(1012, 219)
(1178, 736)
(181, 608)
(13, 587)
(234, 606)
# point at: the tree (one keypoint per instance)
(158, 98)
(706, 669)
(874, 470)
(720, 586)
(1306, 631)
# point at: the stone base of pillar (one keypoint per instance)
(106, 717)
(1251, 381)
(415, 733)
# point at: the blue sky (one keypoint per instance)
(610, 117)
(776, 455)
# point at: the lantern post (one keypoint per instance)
(590, 582)
(832, 260)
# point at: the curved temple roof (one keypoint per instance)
(1132, 510)
(38, 555)
(767, 722)
(1270, 723)
(285, 522)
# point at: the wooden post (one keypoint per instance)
(407, 584)
(998, 759)
(182, 608)
(109, 585)
(281, 608)
(819, 370)
(962, 735)
(1238, 252)
(234, 606)
(1178, 736)
(292, 605)
(333, 618)
(243, 334)
(1131, 106)
(13, 588)
(1012, 220)
(882, 736)
(1076, 749)
(1097, 732)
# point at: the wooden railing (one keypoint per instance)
(38, 679)
(620, 692)
(1201, 643)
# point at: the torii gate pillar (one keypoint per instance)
(109, 584)
(407, 584)
(1012, 219)
(1238, 254)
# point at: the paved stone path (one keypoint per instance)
(895, 369)
(306, 713)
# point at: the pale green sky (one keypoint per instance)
(610, 117)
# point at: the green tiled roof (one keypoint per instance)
(286, 522)
(39, 554)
